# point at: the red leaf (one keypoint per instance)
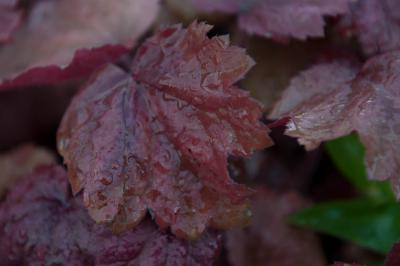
(41, 224)
(92, 30)
(334, 105)
(279, 20)
(159, 140)
(10, 19)
(84, 62)
(376, 23)
(270, 240)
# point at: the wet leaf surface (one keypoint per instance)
(159, 139)
(365, 101)
(42, 224)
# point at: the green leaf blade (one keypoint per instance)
(348, 155)
(367, 223)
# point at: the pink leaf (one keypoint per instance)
(332, 103)
(376, 23)
(95, 31)
(279, 20)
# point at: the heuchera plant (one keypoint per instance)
(158, 124)
(158, 139)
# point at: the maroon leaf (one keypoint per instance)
(333, 107)
(56, 30)
(10, 19)
(84, 62)
(270, 240)
(376, 23)
(159, 140)
(41, 224)
(279, 20)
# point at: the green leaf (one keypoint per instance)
(368, 223)
(348, 155)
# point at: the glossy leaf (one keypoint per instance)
(368, 104)
(367, 223)
(42, 224)
(348, 155)
(159, 139)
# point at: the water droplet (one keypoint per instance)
(101, 196)
(181, 182)
(180, 104)
(62, 144)
(114, 166)
(195, 142)
(106, 180)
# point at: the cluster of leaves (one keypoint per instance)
(147, 137)
(43, 224)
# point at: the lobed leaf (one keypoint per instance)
(376, 23)
(279, 20)
(158, 140)
(42, 224)
(368, 104)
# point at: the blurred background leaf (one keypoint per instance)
(370, 224)
(348, 155)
